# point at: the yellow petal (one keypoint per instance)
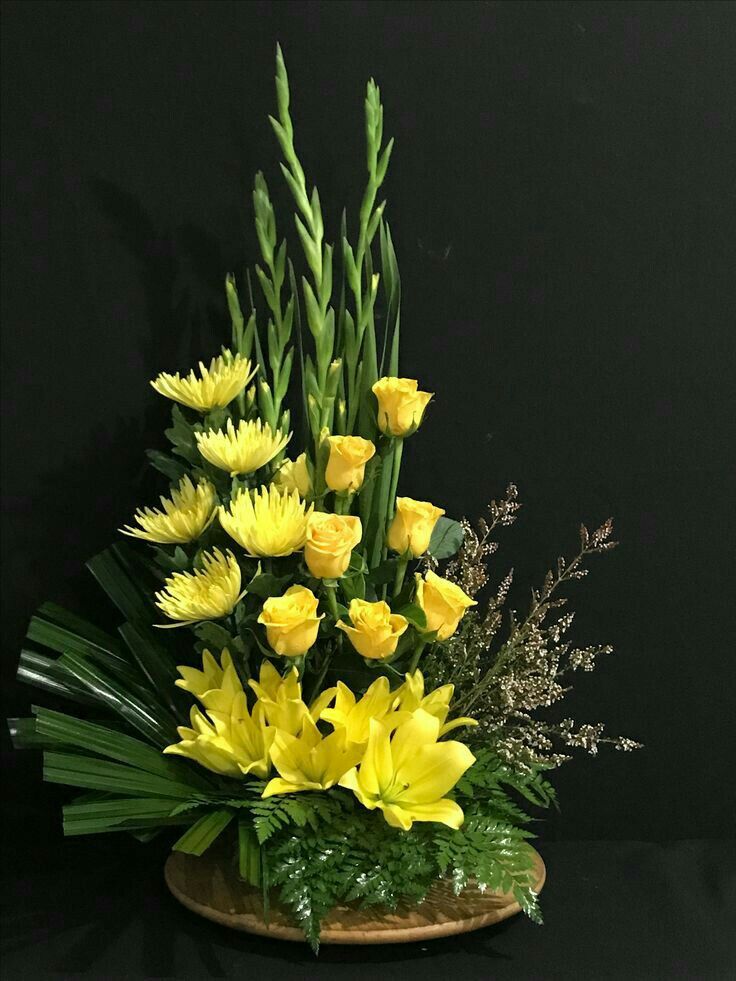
(434, 770)
(279, 786)
(443, 811)
(376, 768)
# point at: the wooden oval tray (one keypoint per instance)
(210, 887)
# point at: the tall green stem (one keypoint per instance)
(332, 601)
(421, 644)
(400, 573)
(387, 512)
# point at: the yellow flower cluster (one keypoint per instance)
(384, 746)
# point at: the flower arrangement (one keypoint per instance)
(340, 704)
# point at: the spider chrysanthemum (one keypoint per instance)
(215, 387)
(205, 594)
(267, 522)
(184, 516)
(241, 450)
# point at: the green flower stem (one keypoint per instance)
(389, 506)
(378, 515)
(421, 644)
(332, 601)
(400, 572)
(321, 676)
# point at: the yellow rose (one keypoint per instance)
(291, 621)
(294, 475)
(346, 466)
(375, 631)
(400, 405)
(443, 602)
(412, 526)
(330, 540)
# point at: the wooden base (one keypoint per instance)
(210, 887)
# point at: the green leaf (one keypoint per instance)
(249, 853)
(65, 730)
(414, 614)
(353, 587)
(45, 673)
(384, 572)
(264, 584)
(197, 839)
(213, 635)
(84, 817)
(84, 771)
(154, 661)
(166, 465)
(23, 734)
(123, 577)
(135, 706)
(447, 538)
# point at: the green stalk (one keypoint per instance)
(321, 676)
(379, 506)
(389, 505)
(421, 644)
(332, 602)
(400, 573)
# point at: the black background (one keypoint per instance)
(560, 197)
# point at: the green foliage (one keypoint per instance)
(492, 853)
(489, 774)
(273, 814)
(447, 537)
(205, 830)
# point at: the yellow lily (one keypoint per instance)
(281, 699)
(309, 761)
(408, 774)
(233, 743)
(216, 685)
(437, 703)
(353, 716)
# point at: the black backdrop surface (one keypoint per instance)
(559, 195)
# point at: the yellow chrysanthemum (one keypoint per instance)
(216, 387)
(267, 522)
(206, 594)
(183, 518)
(243, 450)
